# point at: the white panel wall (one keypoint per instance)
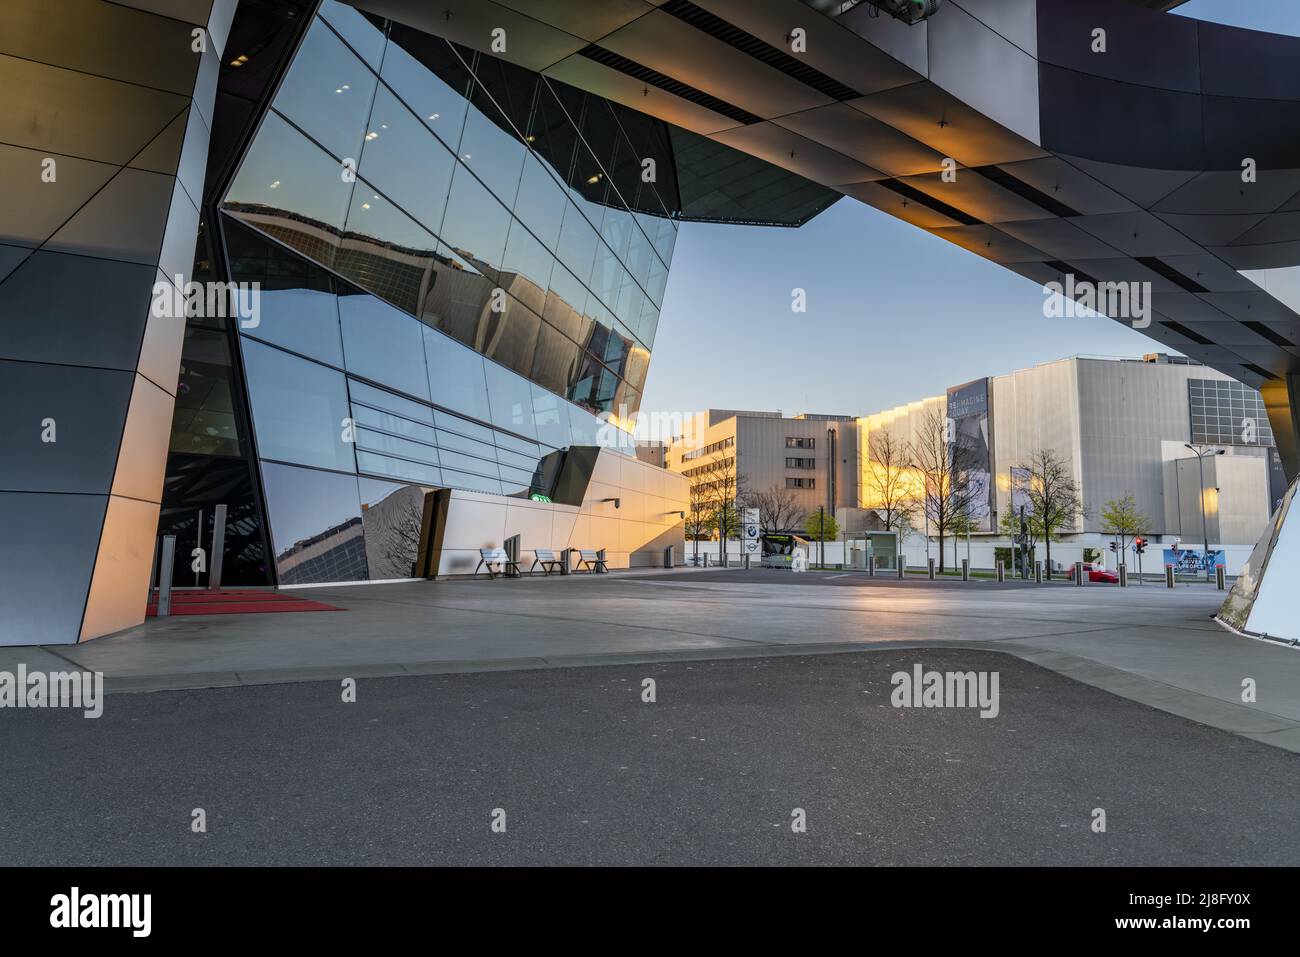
(646, 520)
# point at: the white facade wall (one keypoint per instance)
(633, 534)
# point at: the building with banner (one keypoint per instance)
(1123, 426)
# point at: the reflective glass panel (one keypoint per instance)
(327, 92)
(391, 515)
(288, 188)
(299, 408)
(386, 252)
(426, 74)
(315, 520)
(511, 400)
(360, 34)
(540, 202)
(408, 164)
(555, 361)
(398, 468)
(476, 224)
(577, 247)
(495, 155)
(383, 344)
(550, 417)
(456, 378)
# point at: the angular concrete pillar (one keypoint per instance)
(105, 113)
(1280, 401)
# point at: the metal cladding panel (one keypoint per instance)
(61, 427)
(46, 564)
(103, 109)
(119, 589)
(52, 291)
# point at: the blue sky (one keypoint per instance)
(893, 313)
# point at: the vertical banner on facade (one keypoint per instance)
(749, 529)
(968, 411)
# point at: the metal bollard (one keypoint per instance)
(1169, 576)
(600, 553)
(1123, 575)
(165, 570)
(668, 556)
(566, 562)
(1038, 573)
(218, 548)
(930, 564)
(902, 566)
(871, 566)
(1220, 577)
(965, 569)
(1002, 570)
(1078, 573)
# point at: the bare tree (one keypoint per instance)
(947, 470)
(698, 511)
(1055, 502)
(777, 508)
(889, 489)
(726, 488)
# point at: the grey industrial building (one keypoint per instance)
(1123, 425)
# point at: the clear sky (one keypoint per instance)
(893, 313)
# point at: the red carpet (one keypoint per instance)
(236, 602)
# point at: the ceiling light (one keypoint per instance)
(275, 184)
(372, 135)
(239, 60)
(593, 179)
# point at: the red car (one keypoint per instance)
(1097, 574)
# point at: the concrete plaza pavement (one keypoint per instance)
(714, 771)
(1156, 646)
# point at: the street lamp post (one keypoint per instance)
(1200, 466)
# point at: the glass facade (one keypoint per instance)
(502, 209)
(1225, 412)
(458, 275)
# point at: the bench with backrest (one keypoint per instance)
(546, 558)
(495, 556)
(590, 558)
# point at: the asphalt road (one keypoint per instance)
(589, 774)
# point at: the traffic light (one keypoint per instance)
(1139, 545)
(1112, 546)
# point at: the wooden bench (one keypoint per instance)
(592, 560)
(546, 558)
(495, 556)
